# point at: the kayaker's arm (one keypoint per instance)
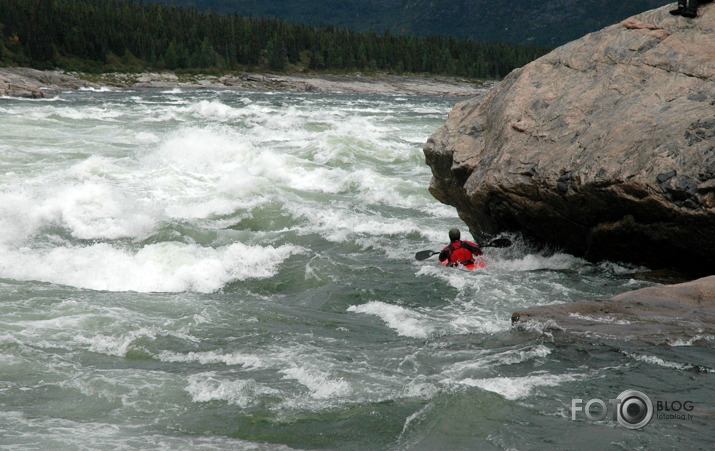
(444, 255)
(472, 247)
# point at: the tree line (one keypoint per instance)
(129, 35)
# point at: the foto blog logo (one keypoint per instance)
(632, 409)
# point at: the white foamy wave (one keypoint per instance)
(96, 210)
(532, 262)
(202, 150)
(206, 387)
(691, 341)
(514, 388)
(510, 357)
(163, 267)
(459, 279)
(321, 384)
(147, 137)
(342, 222)
(404, 321)
(440, 211)
(100, 89)
(198, 172)
(83, 200)
(212, 110)
(247, 361)
(15, 225)
(89, 114)
(653, 360)
(22, 432)
(115, 345)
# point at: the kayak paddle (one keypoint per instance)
(423, 255)
(499, 242)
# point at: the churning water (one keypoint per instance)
(235, 270)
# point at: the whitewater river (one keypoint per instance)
(235, 270)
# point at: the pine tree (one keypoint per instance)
(130, 35)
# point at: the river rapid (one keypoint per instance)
(205, 269)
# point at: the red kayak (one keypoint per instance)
(479, 263)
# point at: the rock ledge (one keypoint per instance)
(669, 314)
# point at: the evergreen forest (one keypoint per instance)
(132, 36)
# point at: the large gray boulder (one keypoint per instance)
(605, 147)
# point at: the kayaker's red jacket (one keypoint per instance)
(460, 253)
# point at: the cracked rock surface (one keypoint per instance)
(605, 147)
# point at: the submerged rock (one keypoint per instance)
(605, 147)
(670, 314)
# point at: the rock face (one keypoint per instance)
(605, 147)
(670, 314)
(25, 82)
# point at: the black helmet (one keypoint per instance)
(454, 235)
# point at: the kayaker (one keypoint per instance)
(459, 252)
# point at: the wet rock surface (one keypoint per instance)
(669, 314)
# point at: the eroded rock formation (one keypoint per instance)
(604, 147)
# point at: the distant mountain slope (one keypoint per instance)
(539, 22)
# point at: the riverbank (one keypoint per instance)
(31, 83)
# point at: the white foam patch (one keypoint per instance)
(131, 388)
(164, 267)
(404, 321)
(115, 345)
(514, 388)
(92, 89)
(15, 225)
(206, 151)
(691, 341)
(198, 172)
(73, 322)
(247, 361)
(653, 360)
(89, 113)
(95, 210)
(532, 262)
(459, 279)
(320, 383)
(80, 200)
(207, 387)
(485, 360)
(439, 211)
(22, 432)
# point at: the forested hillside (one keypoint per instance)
(101, 35)
(549, 23)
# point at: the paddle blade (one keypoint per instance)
(499, 242)
(423, 255)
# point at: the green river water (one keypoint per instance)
(235, 270)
